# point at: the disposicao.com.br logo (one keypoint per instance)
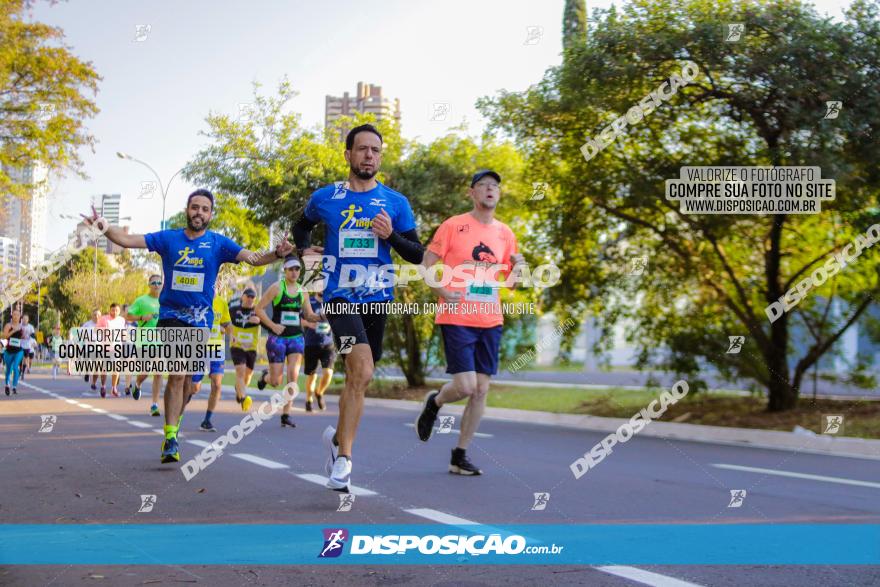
(455, 544)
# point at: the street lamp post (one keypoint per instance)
(164, 189)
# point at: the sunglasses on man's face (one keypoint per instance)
(155, 283)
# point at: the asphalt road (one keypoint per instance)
(93, 466)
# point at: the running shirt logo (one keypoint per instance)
(376, 202)
(483, 253)
(334, 541)
(205, 245)
(352, 222)
(186, 260)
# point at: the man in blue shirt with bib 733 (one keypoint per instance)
(364, 220)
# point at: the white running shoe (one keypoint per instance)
(327, 438)
(340, 477)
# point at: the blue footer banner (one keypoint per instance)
(594, 544)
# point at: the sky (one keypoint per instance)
(203, 56)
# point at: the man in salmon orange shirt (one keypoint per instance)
(482, 248)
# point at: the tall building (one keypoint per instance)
(110, 211)
(9, 256)
(368, 100)
(24, 219)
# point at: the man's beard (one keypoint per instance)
(363, 174)
(189, 224)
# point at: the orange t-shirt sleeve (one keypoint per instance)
(440, 243)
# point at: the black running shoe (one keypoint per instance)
(286, 421)
(7, 390)
(460, 465)
(86, 378)
(321, 405)
(425, 421)
(14, 391)
(128, 390)
(308, 406)
(261, 384)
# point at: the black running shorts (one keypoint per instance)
(357, 324)
(243, 357)
(325, 354)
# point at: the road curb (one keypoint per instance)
(769, 439)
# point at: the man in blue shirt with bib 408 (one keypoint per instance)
(364, 220)
(191, 258)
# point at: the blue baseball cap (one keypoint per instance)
(483, 173)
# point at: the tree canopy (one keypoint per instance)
(758, 101)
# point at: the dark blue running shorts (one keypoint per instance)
(469, 348)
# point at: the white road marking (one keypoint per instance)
(259, 460)
(200, 443)
(632, 573)
(322, 481)
(158, 431)
(795, 475)
(645, 577)
(137, 424)
(99, 410)
(117, 417)
(477, 434)
(86, 406)
(441, 517)
(71, 402)
(450, 520)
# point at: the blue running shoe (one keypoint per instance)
(170, 451)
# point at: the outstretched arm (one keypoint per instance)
(256, 259)
(114, 233)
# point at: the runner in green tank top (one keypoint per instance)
(284, 345)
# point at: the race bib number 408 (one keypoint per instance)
(188, 281)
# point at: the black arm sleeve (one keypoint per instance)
(302, 232)
(407, 245)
